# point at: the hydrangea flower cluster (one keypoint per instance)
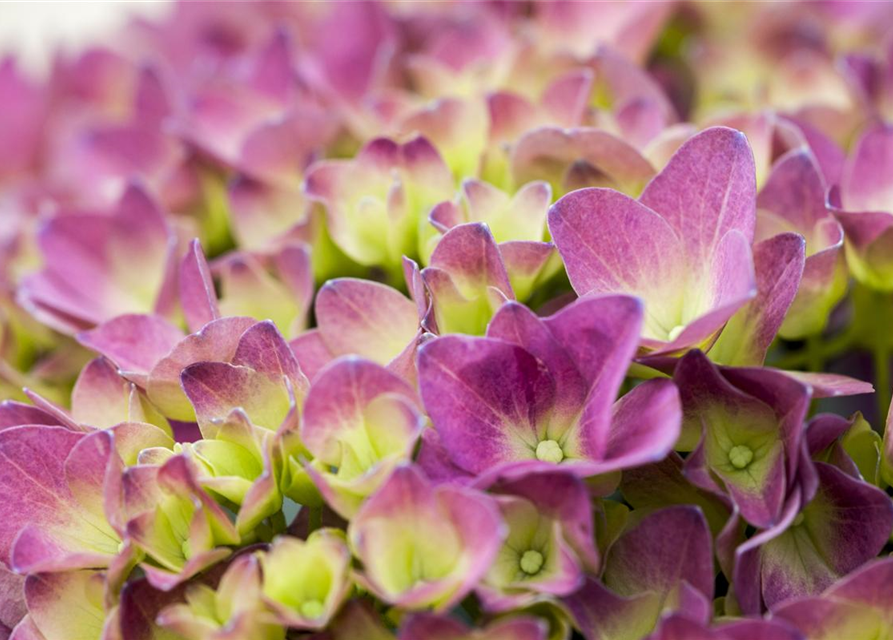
(451, 321)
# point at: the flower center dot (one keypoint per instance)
(311, 609)
(549, 451)
(531, 562)
(740, 456)
(675, 331)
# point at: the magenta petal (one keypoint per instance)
(600, 614)
(311, 352)
(746, 578)
(436, 462)
(600, 334)
(49, 523)
(789, 400)
(570, 363)
(743, 413)
(794, 200)
(466, 280)
(732, 281)
(338, 398)
(844, 526)
(865, 183)
(603, 261)
(865, 228)
(66, 604)
(295, 269)
(794, 192)
(713, 175)
(823, 430)
(12, 599)
(469, 254)
(517, 324)
(446, 215)
(564, 498)
(16, 414)
(101, 398)
(216, 388)
(677, 627)
(828, 153)
(644, 426)
(529, 264)
(135, 343)
(778, 265)
(197, 295)
(859, 604)
(216, 341)
(828, 618)
(871, 585)
(661, 551)
(23, 120)
(697, 293)
(263, 215)
(140, 606)
(263, 349)
(365, 318)
(486, 398)
(831, 385)
(848, 523)
(573, 158)
(756, 629)
(869, 240)
(98, 266)
(62, 416)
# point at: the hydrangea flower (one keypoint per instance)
(801, 555)
(423, 546)
(234, 608)
(533, 394)
(360, 422)
(865, 208)
(305, 582)
(80, 287)
(518, 225)
(706, 257)
(793, 199)
(449, 321)
(856, 607)
(744, 428)
(363, 318)
(467, 281)
(550, 541)
(387, 187)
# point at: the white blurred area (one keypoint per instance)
(33, 30)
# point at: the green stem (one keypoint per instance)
(278, 523)
(882, 389)
(314, 520)
(837, 345)
(791, 361)
(815, 356)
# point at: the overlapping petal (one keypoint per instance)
(704, 253)
(424, 546)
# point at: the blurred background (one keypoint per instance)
(180, 96)
(33, 30)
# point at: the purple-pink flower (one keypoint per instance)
(449, 321)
